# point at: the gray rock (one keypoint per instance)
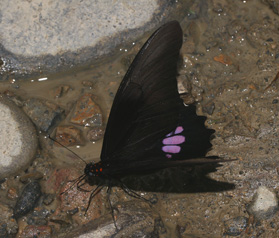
(18, 139)
(235, 226)
(42, 113)
(38, 35)
(28, 199)
(265, 203)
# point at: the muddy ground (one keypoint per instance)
(229, 67)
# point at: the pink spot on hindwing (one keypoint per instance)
(178, 130)
(174, 149)
(172, 142)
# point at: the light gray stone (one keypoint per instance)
(18, 139)
(265, 203)
(51, 27)
(53, 35)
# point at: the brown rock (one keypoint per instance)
(68, 136)
(87, 112)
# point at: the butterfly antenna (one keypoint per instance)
(67, 148)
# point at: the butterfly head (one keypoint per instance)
(93, 169)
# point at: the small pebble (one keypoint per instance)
(28, 199)
(68, 136)
(48, 198)
(87, 112)
(235, 226)
(96, 133)
(265, 203)
(209, 108)
(12, 194)
(73, 211)
(59, 91)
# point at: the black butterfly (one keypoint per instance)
(146, 109)
(149, 127)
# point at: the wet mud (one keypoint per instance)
(229, 68)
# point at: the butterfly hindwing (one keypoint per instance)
(190, 139)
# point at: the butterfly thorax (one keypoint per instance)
(95, 169)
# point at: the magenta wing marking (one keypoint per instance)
(178, 130)
(172, 142)
(174, 149)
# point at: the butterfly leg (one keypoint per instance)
(131, 192)
(76, 181)
(111, 208)
(93, 194)
(79, 187)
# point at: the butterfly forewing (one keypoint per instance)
(147, 103)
